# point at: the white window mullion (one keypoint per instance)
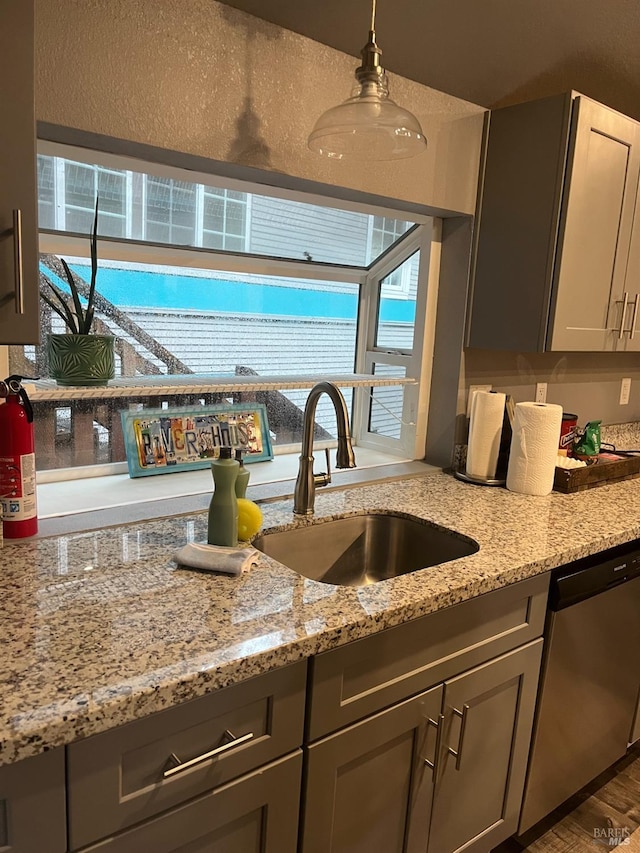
(417, 396)
(143, 213)
(171, 211)
(360, 395)
(59, 194)
(248, 222)
(225, 213)
(128, 212)
(120, 250)
(369, 239)
(199, 235)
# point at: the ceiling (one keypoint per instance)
(489, 52)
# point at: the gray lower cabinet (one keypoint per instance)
(441, 772)
(368, 787)
(258, 812)
(482, 764)
(19, 295)
(136, 772)
(414, 740)
(635, 729)
(33, 804)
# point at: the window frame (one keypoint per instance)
(420, 237)
(417, 361)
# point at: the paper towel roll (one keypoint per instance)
(534, 447)
(485, 430)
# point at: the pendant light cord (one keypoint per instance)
(373, 16)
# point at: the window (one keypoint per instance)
(170, 211)
(81, 185)
(211, 284)
(224, 224)
(384, 233)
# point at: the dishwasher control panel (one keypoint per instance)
(592, 575)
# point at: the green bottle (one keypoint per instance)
(223, 509)
(242, 480)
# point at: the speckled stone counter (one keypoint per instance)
(622, 435)
(101, 628)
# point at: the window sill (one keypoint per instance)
(75, 505)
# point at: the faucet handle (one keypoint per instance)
(328, 458)
(324, 479)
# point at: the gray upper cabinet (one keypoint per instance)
(555, 232)
(629, 340)
(18, 204)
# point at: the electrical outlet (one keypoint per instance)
(472, 391)
(625, 391)
(541, 392)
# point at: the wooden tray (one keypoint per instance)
(601, 473)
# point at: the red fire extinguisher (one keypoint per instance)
(17, 462)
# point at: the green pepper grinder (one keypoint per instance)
(242, 480)
(223, 509)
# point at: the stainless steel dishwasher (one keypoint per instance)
(590, 677)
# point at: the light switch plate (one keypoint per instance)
(541, 392)
(625, 391)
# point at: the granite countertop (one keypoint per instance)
(101, 628)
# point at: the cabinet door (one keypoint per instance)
(32, 805)
(630, 339)
(600, 193)
(369, 786)
(635, 729)
(19, 297)
(258, 812)
(481, 768)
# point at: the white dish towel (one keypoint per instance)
(215, 558)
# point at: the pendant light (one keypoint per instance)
(368, 125)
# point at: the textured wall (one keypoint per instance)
(587, 384)
(200, 77)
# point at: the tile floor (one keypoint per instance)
(604, 815)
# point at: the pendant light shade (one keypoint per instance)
(368, 125)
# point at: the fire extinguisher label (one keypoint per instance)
(18, 487)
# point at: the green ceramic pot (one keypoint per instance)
(81, 359)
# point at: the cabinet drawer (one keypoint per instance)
(256, 812)
(362, 677)
(117, 778)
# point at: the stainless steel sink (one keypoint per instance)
(364, 549)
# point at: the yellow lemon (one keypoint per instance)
(249, 519)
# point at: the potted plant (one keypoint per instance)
(78, 357)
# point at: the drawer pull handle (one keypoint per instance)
(625, 302)
(439, 726)
(634, 319)
(457, 753)
(179, 766)
(18, 285)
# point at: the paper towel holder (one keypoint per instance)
(479, 481)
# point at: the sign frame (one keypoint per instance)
(187, 438)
